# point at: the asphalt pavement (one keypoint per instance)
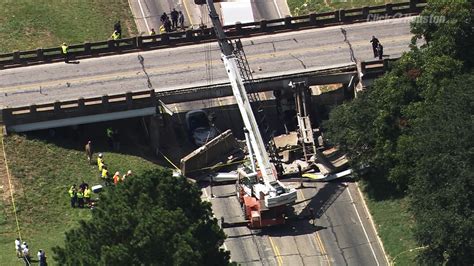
(200, 64)
(341, 234)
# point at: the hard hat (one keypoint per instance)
(117, 173)
(129, 172)
(64, 43)
(100, 155)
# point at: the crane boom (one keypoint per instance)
(238, 89)
(271, 192)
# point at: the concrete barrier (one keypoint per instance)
(239, 30)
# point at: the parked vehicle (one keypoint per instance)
(200, 128)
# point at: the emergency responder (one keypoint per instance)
(152, 31)
(73, 194)
(80, 198)
(26, 254)
(380, 50)
(65, 52)
(89, 151)
(118, 27)
(163, 18)
(109, 132)
(116, 36)
(116, 178)
(87, 195)
(181, 20)
(174, 18)
(128, 174)
(167, 25)
(375, 43)
(162, 29)
(18, 247)
(100, 162)
(42, 258)
(105, 175)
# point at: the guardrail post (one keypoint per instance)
(33, 109)
(365, 12)
(105, 102)
(389, 9)
(111, 44)
(263, 26)
(336, 15)
(312, 18)
(40, 54)
(342, 15)
(81, 104)
(362, 66)
(238, 28)
(153, 97)
(165, 38)
(139, 41)
(129, 99)
(57, 106)
(6, 115)
(413, 5)
(87, 48)
(189, 35)
(16, 56)
(288, 22)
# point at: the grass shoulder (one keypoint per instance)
(394, 225)
(30, 24)
(42, 172)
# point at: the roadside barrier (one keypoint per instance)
(188, 37)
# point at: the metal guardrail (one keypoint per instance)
(239, 30)
(127, 101)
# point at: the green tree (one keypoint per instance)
(152, 219)
(439, 155)
(411, 133)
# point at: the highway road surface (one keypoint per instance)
(147, 12)
(342, 233)
(188, 66)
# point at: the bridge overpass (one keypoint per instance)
(167, 71)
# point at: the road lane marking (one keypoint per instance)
(372, 223)
(278, 9)
(276, 251)
(362, 225)
(143, 15)
(188, 14)
(317, 237)
(180, 67)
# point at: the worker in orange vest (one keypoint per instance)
(116, 177)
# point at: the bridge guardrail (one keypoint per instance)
(80, 107)
(112, 103)
(239, 30)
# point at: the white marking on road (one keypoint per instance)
(276, 7)
(143, 15)
(362, 225)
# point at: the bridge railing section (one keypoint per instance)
(239, 30)
(76, 108)
(133, 100)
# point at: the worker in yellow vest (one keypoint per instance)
(115, 36)
(65, 52)
(80, 198)
(87, 195)
(100, 162)
(105, 175)
(73, 194)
